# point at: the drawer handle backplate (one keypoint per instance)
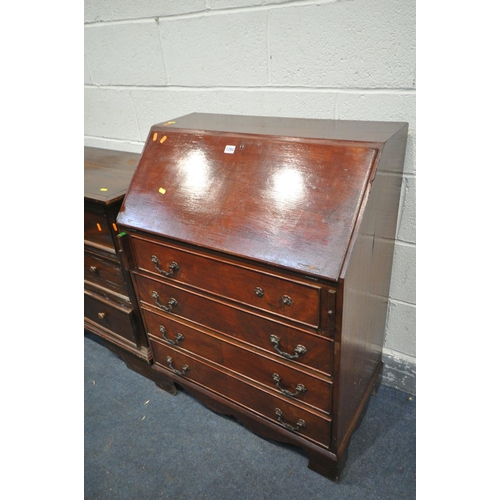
(178, 338)
(299, 425)
(182, 371)
(298, 351)
(299, 389)
(167, 308)
(173, 266)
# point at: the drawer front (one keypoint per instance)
(304, 348)
(274, 408)
(279, 377)
(97, 230)
(104, 272)
(287, 298)
(111, 316)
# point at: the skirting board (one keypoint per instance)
(399, 371)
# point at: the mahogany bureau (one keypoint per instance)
(110, 307)
(261, 257)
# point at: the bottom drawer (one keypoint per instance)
(109, 315)
(289, 416)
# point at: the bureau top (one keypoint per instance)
(107, 173)
(307, 128)
(286, 192)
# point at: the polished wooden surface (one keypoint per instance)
(303, 128)
(108, 173)
(261, 253)
(110, 307)
(270, 371)
(293, 299)
(365, 283)
(109, 315)
(281, 201)
(262, 402)
(238, 322)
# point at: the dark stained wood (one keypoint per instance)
(110, 307)
(238, 359)
(109, 315)
(236, 322)
(365, 281)
(286, 202)
(306, 210)
(98, 230)
(236, 389)
(302, 128)
(104, 272)
(257, 288)
(321, 460)
(108, 174)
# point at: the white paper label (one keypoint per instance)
(229, 149)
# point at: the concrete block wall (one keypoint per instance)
(146, 62)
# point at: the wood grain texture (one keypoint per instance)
(262, 402)
(365, 285)
(246, 361)
(242, 283)
(249, 327)
(252, 209)
(110, 307)
(286, 202)
(107, 174)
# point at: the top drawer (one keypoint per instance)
(291, 299)
(97, 228)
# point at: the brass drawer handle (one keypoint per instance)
(298, 351)
(101, 315)
(258, 291)
(93, 269)
(299, 425)
(182, 371)
(167, 308)
(178, 338)
(299, 389)
(173, 266)
(286, 300)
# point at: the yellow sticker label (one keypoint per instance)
(155, 136)
(168, 123)
(162, 191)
(163, 139)
(103, 189)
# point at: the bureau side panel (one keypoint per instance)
(365, 288)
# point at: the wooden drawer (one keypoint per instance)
(316, 428)
(104, 272)
(97, 229)
(296, 385)
(291, 299)
(271, 335)
(109, 315)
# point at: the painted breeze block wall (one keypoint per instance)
(146, 62)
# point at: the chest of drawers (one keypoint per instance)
(261, 254)
(110, 307)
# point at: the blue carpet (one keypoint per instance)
(142, 443)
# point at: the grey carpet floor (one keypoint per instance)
(142, 443)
